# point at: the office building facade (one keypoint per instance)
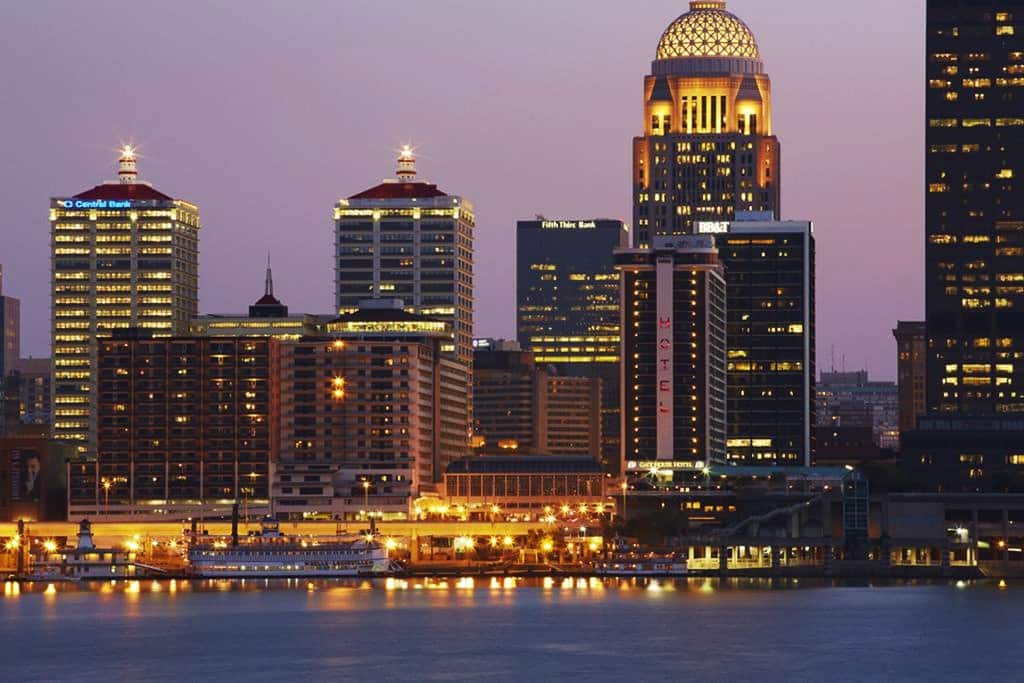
(769, 273)
(124, 255)
(974, 253)
(912, 353)
(674, 356)
(524, 407)
(407, 239)
(567, 307)
(974, 210)
(371, 414)
(10, 330)
(708, 149)
(185, 429)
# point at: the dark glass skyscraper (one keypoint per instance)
(971, 439)
(975, 207)
(769, 273)
(567, 310)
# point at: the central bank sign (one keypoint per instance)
(96, 203)
(568, 225)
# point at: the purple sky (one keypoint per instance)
(264, 113)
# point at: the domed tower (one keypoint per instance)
(707, 150)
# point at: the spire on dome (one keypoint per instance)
(406, 165)
(127, 172)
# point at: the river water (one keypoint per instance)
(511, 630)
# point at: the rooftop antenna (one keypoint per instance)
(268, 287)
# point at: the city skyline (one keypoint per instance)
(268, 169)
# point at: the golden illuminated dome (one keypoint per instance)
(707, 30)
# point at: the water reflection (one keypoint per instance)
(464, 586)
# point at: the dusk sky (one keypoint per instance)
(265, 113)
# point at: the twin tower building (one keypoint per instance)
(700, 321)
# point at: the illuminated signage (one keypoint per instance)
(664, 280)
(712, 227)
(568, 225)
(648, 465)
(96, 203)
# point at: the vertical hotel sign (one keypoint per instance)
(664, 275)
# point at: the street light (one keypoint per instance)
(625, 487)
(106, 496)
(366, 496)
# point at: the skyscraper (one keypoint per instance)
(974, 255)
(10, 330)
(567, 306)
(769, 272)
(707, 150)
(974, 208)
(124, 255)
(674, 355)
(406, 239)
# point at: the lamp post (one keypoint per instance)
(106, 496)
(625, 487)
(366, 497)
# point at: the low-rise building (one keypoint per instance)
(528, 484)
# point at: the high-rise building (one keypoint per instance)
(567, 309)
(371, 414)
(769, 273)
(674, 356)
(708, 149)
(10, 330)
(407, 239)
(124, 255)
(912, 351)
(974, 209)
(974, 255)
(185, 428)
(524, 407)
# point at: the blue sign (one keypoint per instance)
(96, 203)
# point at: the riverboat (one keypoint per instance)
(271, 554)
(642, 565)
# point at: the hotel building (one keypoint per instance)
(124, 255)
(185, 429)
(674, 356)
(567, 308)
(370, 415)
(769, 273)
(525, 407)
(708, 149)
(407, 239)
